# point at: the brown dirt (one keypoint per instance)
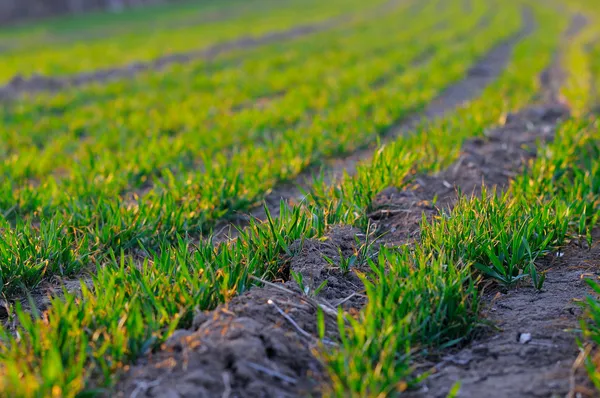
(40, 297)
(20, 85)
(248, 348)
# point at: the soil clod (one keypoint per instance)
(263, 340)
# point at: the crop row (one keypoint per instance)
(428, 297)
(196, 95)
(583, 139)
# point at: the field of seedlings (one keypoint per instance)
(290, 198)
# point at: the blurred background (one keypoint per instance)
(18, 10)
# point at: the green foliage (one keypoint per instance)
(414, 299)
(123, 178)
(501, 235)
(141, 168)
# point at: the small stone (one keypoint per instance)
(524, 338)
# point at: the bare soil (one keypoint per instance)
(261, 344)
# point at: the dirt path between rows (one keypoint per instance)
(261, 343)
(38, 83)
(481, 75)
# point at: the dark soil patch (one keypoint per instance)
(261, 344)
(40, 297)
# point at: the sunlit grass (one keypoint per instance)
(421, 297)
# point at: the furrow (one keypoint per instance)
(484, 72)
